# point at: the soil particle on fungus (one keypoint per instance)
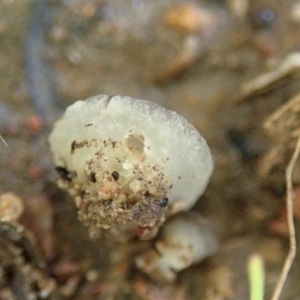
(165, 202)
(92, 177)
(63, 173)
(115, 175)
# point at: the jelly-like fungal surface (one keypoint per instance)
(128, 162)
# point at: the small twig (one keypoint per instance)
(290, 219)
(292, 105)
(3, 140)
(288, 66)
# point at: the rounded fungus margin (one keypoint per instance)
(184, 240)
(121, 158)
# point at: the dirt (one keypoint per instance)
(94, 47)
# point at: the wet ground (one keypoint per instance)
(56, 52)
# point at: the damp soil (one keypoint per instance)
(56, 52)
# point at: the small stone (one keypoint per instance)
(11, 207)
(189, 17)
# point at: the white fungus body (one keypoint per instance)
(184, 240)
(129, 161)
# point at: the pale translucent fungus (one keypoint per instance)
(129, 161)
(184, 240)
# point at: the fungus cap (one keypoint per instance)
(129, 161)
